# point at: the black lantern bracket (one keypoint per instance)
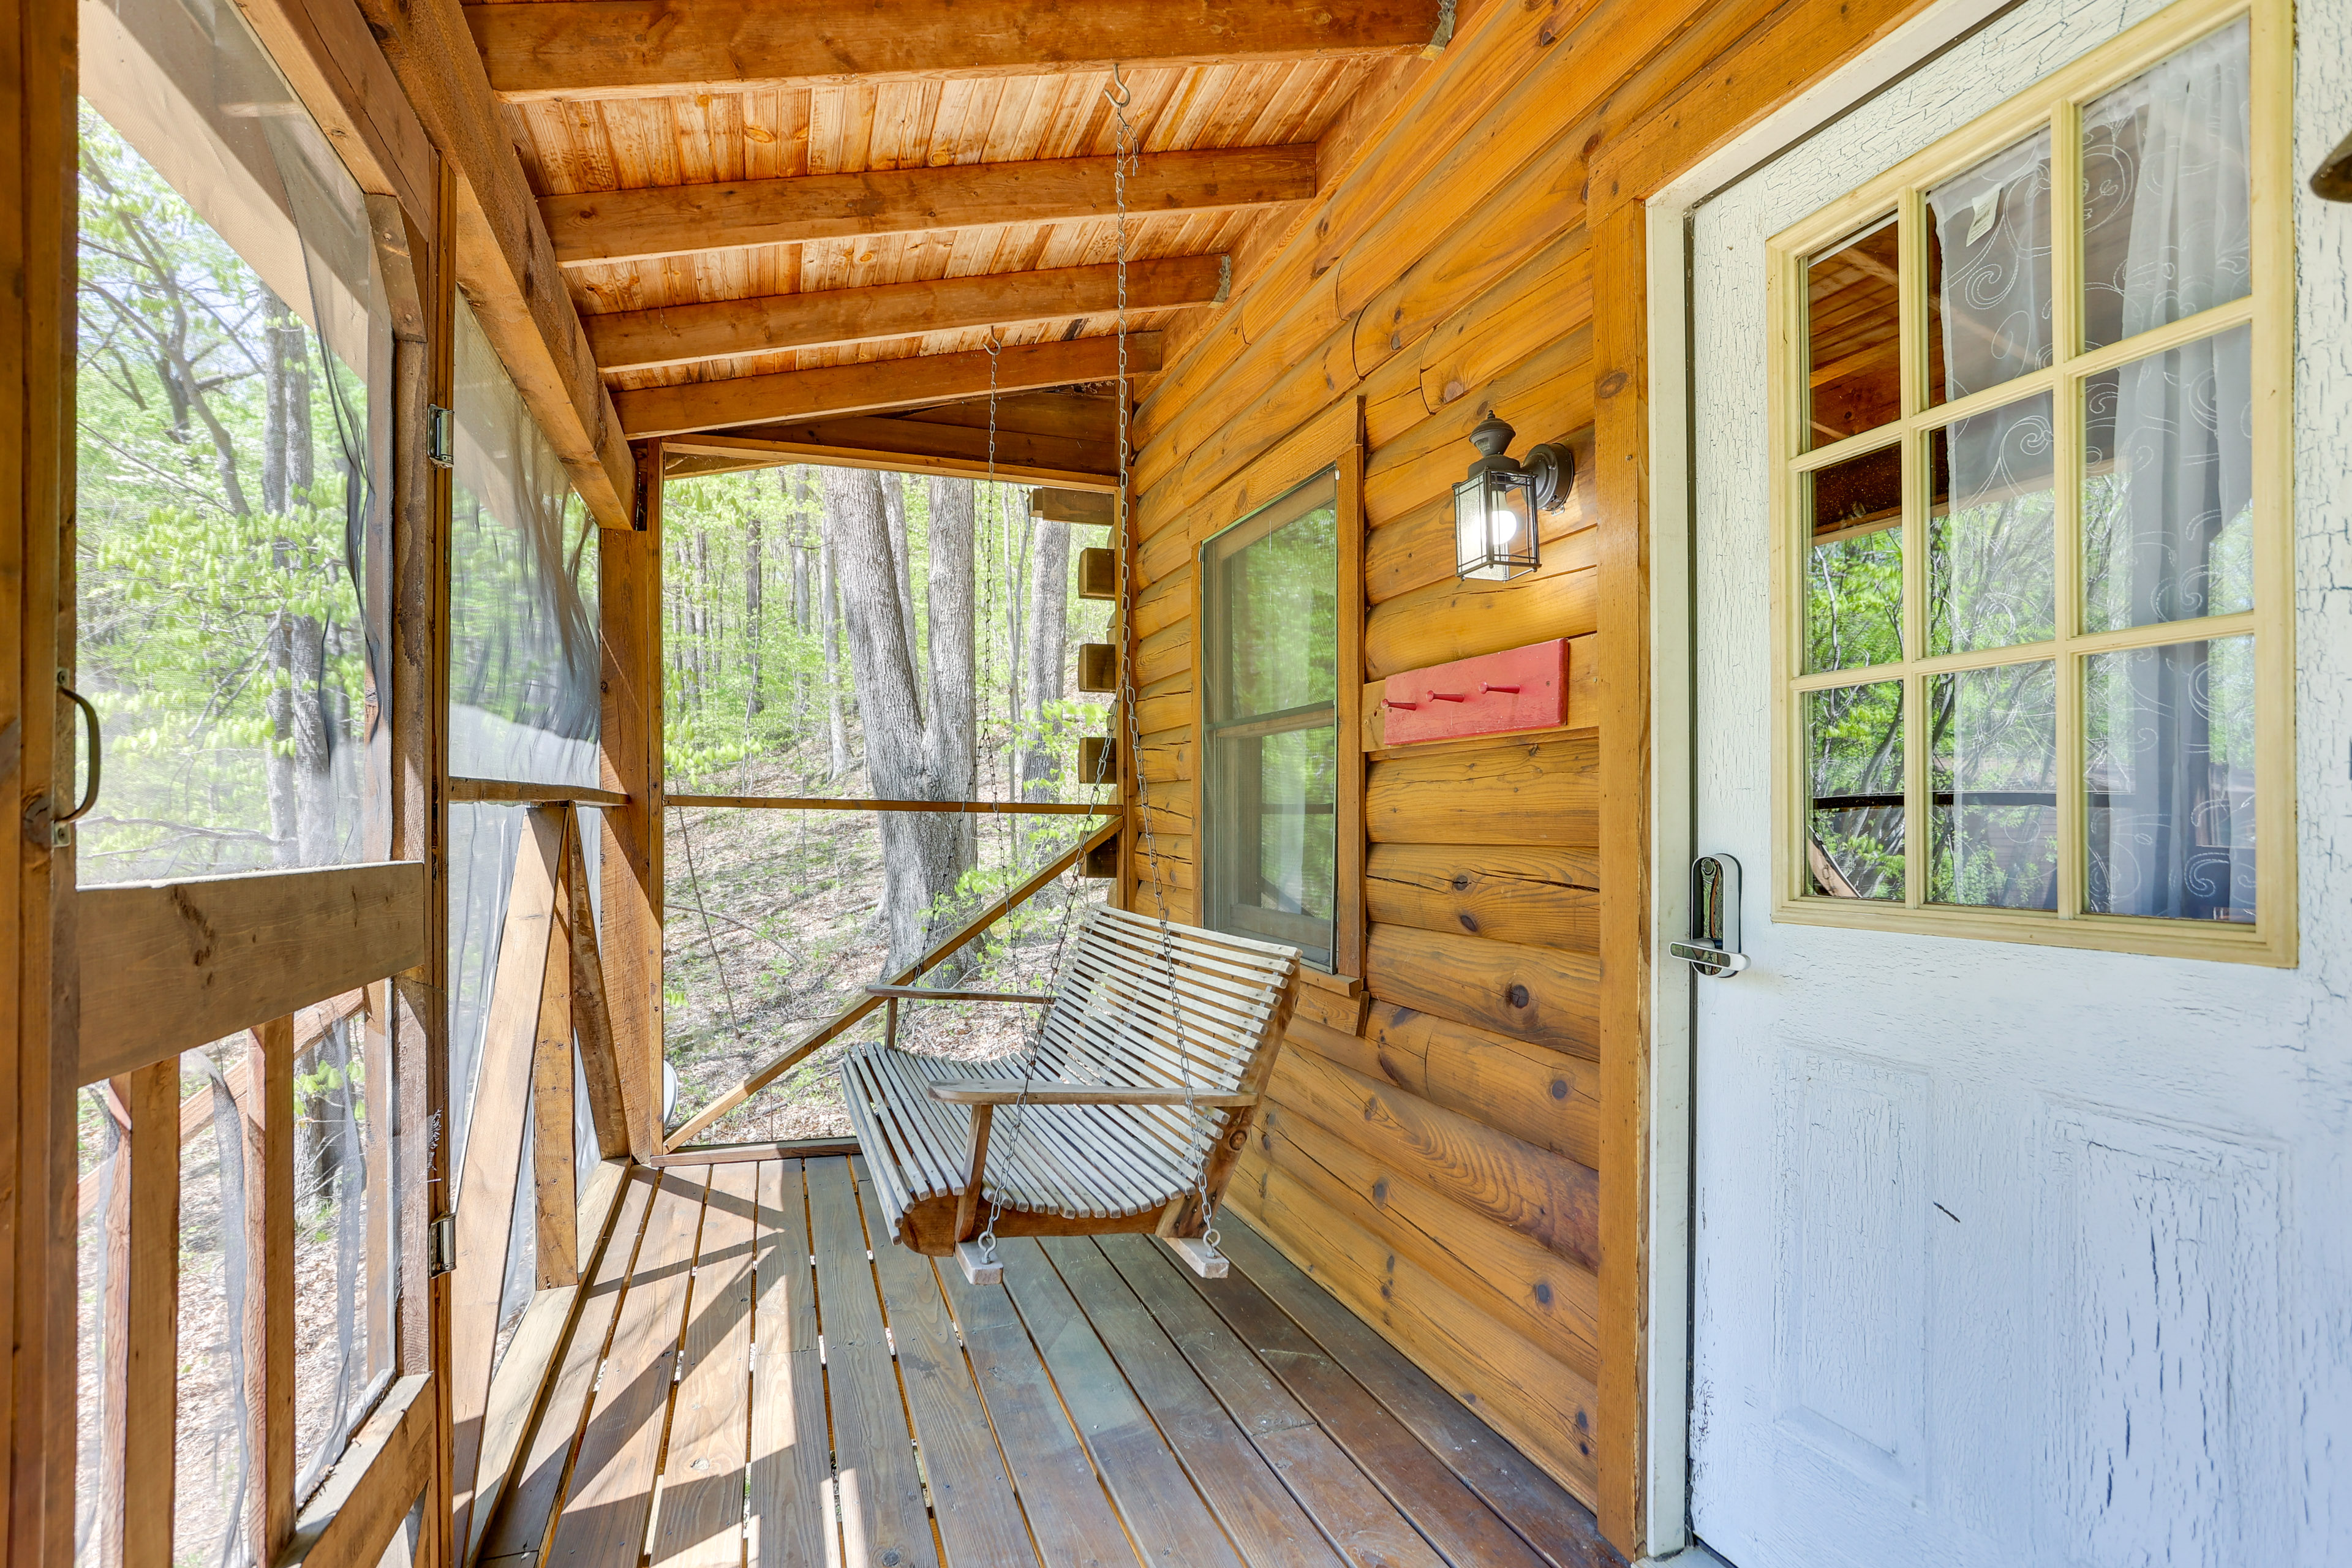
(1548, 469)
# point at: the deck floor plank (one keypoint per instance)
(752, 1383)
(1358, 1519)
(1261, 1515)
(979, 1521)
(519, 1530)
(1169, 1520)
(604, 1519)
(1537, 1507)
(883, 1516)
(1070, 1517)
(1455, 1519)
(790, 1521)
(699, 1522)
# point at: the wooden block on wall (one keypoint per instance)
(1097, 667)
(1098, 759)
(1101, 863)
(1097, 508)
(1098, 573)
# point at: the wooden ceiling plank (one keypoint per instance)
(624, 49)
(617, 226)
(686, 334)
(505, 263)
(834, 390)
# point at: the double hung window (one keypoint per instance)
(1269, 630)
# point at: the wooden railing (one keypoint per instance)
(282, 958)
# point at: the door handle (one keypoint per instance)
(60, 827)
(1713, 949)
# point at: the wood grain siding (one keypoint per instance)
(1453, 1154)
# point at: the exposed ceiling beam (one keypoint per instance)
(1080, 416)
(803, 395)
(629, 48)
(505, 263)
(675, 220)
(686, 334)
(902, 445)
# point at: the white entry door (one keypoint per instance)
(2022, 1207)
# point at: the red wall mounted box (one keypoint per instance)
(1494, 694)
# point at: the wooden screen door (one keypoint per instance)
(2006, 1173)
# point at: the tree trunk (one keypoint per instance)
(753, 700)
(902, 556)
(919, 852)
(285, 821)
(951, 730)
(828, 607)
(1013, 545)
(1049, 619)
(274, 423)
(314, 780)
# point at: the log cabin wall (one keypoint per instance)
(1454, 1142)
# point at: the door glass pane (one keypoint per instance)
(2168, 485)
(1993, 755)
(2168, 768)
(234, 354)
(1854, 829)
(1270, 598)
(1853, 335)
(1989, 272)
(1853, 567)
(2165, 197)
(1992, 553)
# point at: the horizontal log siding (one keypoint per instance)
(1430, 1147)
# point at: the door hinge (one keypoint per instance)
(444, 1244)
(440, 436)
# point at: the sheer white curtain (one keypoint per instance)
(2167, 461)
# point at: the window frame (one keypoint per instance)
(2055, 104)
(1213, 613)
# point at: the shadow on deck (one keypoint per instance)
(1104, 1407)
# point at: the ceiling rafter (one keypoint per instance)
(505, 261)
(834, 390)
(727, 329)
(676, 220)
(627, 48)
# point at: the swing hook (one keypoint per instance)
(1119, 94)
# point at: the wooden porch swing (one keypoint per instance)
(1133, 1105)
(1134, 1096)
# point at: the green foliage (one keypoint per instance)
(1853, 601)
(194, 592)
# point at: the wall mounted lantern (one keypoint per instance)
(1494, 507)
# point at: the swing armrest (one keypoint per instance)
(998, 1091)
(923, 994)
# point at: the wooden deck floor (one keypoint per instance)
(745, 1387)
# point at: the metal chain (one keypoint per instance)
(1127, 156)
(1069, 903)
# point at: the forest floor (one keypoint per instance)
(775, 924)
